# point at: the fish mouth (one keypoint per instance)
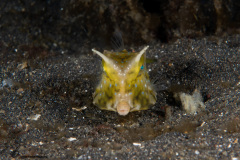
(123, 108)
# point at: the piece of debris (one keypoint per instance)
(79, 109)
(191, 103)
(2, 111)
(23, 65)
(235, 141)
(34, 117)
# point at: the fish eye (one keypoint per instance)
(142, 67)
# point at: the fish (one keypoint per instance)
(125, 85)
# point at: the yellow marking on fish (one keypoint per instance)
(125, 84)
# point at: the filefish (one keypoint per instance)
(125, 86)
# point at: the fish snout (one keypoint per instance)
(123, 108)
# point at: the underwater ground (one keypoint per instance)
(48, 74)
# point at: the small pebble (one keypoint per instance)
(137, 144)
(20, 90)
(197, 152)
(72, 139)
(7, 82)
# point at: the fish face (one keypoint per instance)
(125, 85)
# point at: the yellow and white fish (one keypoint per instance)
(125, 84)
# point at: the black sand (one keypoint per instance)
(46, 109)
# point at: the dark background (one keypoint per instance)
(79, 23)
